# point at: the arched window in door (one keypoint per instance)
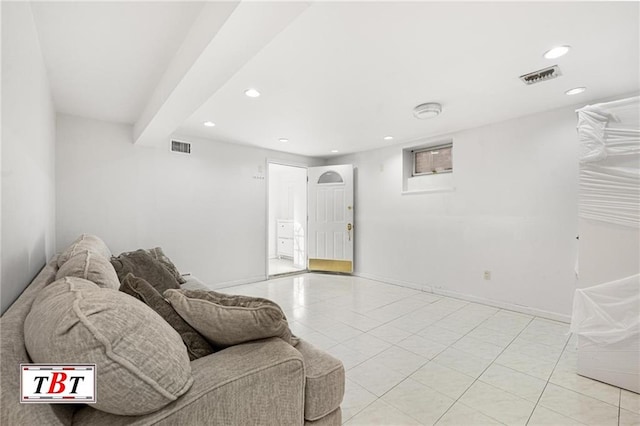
(330, 177)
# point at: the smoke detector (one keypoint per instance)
(428, 110)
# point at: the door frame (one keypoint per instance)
(279, 162)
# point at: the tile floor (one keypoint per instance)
(282, 266)
(416, 358)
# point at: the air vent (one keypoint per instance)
(541, 75)
(184, 147)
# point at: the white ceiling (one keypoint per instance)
(105, 58)
(342, 75)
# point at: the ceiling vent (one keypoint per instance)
(183, 147)
(541, 75)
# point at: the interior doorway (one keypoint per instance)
(287, 221)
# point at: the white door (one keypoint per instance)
(331, 218)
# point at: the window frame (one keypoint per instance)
(414, 152)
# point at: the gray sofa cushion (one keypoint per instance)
(256, 383)
(324, 387)
(90, 266)
(227, 320)
(141, 264)
(141, 362)
(137, 287)
(13, 352)
(82, 243)
(159, 255)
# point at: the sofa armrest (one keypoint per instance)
(254, 383)
(193, 283)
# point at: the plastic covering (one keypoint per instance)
(609, 135)
(608, 313)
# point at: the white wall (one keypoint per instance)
(513, 212)
(28, 144)
(207, 209)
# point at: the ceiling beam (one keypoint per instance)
(223, 39)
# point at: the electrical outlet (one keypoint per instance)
(487, 275)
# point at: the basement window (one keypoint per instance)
(432, 160)
(428, 168)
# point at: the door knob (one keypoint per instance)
(349, 227)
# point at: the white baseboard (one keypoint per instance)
(469, 298)
(237, 282)
(399, 283)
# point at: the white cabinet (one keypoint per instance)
(284, 235)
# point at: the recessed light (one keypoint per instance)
(556, 52)
(575, 91)
(209, 123)
(283, 140)
(334, 151)
(388, 138)
(252, 93)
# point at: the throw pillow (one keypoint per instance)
(197, 346)
(82, 243)
(227, 320)
(141, 362)
(90, 266)
(159, 255)
(143, 265)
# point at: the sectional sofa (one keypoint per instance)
(266, 382)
